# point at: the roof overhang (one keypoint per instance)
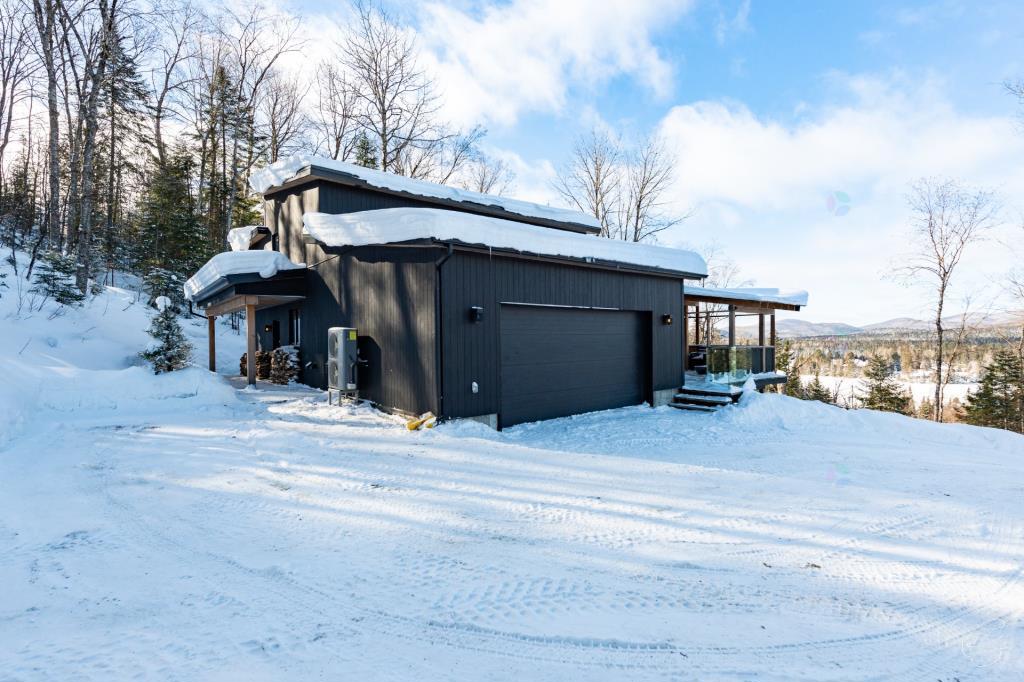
(741, 305)
(512, 253)
(233, 293)
(312, 173)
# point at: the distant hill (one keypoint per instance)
(795, 328)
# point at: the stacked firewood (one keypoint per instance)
(284, 364)
(263, 362)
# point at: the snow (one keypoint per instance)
(265, 263)
(162, 303)
(850, 387)
(393, 225)
(283, 170)
(172, 527)
(239, 238)
(758, 294)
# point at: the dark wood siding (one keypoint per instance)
(561, 361)
(471, 349)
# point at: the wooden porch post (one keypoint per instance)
(211, 333)
(250, 343)
(696, 324)
(686, 337)
(732, 325)
(760, 342)
(773, 329)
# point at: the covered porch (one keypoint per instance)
(714, 354)
(244, 281)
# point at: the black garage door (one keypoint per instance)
(561, 361)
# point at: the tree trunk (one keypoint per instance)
(939, 332)
(45, 16)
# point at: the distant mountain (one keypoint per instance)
(900, 323)
(795, 328)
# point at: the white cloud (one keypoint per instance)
(726, 27)
(760, 187)
(504, 60)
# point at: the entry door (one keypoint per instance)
(561, 361)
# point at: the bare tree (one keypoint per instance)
(176, 25)
(723, 273)
(45, 15)
(591, 179)
(488, 175)
(946, 220)
(284, 121)
(440, 159)
(648, 175)
(15, 70)
(396, 99)
(335, 119)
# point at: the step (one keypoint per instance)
(713, 400)
(693, 408)
(725, 392)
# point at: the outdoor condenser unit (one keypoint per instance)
(342, 359)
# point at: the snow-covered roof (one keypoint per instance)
(756, 294)
(239, 238)
(393, 225)
(282, 171)
(264, 263)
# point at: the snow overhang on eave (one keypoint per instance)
(312, 172)
(750, 298)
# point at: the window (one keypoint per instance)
(293, 327)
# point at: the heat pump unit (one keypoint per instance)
(342, 359)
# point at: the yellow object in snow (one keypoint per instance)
(426, 419)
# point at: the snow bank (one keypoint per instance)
(239, 238)
(281, 171)
(265, 263)
(759, 294)
(85, 361)
(392, 225)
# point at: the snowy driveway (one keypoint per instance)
(274, 537)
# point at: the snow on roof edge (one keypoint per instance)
(394, 225)
(264, 263)
(283, 170)
(759, 294)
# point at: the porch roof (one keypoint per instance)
(755, 298)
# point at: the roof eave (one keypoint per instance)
(311, 173)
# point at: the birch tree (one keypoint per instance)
(335, 118)
(395, 98)
(15, 69)
(45, 17)
(590, 181)
(644, 209)
(947, 219)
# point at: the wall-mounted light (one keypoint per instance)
(476, 314)
(666, 319)
(268, 327)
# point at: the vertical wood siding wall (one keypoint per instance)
(470, 349)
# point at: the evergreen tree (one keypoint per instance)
(172, 351)
(366, 154)
(784, 362)
(817, 391)
(883, 392)
(172, 237)
(55, 278)
(999, 400)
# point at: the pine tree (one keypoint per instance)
(883, 392)
(784, 362)
(817, 391)
(172, 351)
(999, 400)
(171, 235)
(55, 278)
(366, 154)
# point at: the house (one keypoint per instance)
(465, 305)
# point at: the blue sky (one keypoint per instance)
(769, 108)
